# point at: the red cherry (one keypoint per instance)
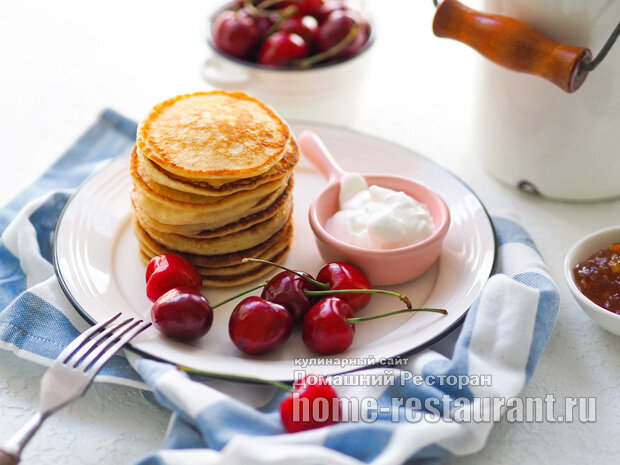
(326, 328)
(310, 7)
(304, 7)
(329, 7)
(182, 313)
(165, 272)
(307, 27)
(257, 326)
(313, 404)
(345, 276)
(282, 48)
(287, 289)
(236, 33)
(329, 326)
(336, 27)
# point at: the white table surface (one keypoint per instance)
(63, 61)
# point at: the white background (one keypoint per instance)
(61, 62)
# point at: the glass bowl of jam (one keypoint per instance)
(592, 271)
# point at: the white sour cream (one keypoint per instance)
(377, 217)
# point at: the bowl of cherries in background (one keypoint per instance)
(306, 58)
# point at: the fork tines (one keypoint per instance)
(94, 347)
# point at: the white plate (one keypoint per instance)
(96, 260)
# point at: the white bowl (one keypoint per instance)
(327, 93)
(579, 252)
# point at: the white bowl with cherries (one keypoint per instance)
(306, 58)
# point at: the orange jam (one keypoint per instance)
(598, 277)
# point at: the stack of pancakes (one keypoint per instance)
(213, 179)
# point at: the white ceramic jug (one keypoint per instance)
(533, 135)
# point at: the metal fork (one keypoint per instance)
(71, 374)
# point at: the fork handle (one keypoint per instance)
(12, 448)
(8, 459)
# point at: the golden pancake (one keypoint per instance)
(266, 250)
(242, 268)
(277, 172)
(284, 201)
(231, 270)
(243, 278)
(234, 242)
(232, 279)
(172, 196)
(169, 211)
(213, 135)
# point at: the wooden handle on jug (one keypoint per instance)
(512, 44)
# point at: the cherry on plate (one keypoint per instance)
(326, 328)
(165, 272)
(257, 326)
(329, 325)
(288, 289)
(282, 48)
(345, 276)
(183, 314)
(315, 394)
(236, 33)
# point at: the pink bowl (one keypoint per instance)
(383, 267)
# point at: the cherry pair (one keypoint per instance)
(179, 311)
(298, 291)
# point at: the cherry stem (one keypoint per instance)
(402, 297)
(286, 13)
(249, 379)
(397, 312)
(266, 262)
(267, 3)
(254, 10)
(340, 46)
(247, 291)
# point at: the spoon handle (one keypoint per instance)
(315, 150)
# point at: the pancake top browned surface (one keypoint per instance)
(210, 135)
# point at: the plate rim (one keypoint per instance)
(90, 320)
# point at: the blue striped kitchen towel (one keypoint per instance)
(36, 320)
(440, 403)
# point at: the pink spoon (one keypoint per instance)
(383, 267)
